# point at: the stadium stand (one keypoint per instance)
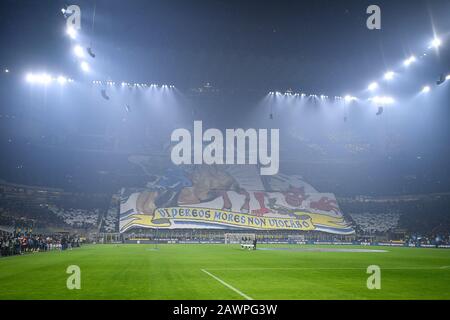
(110, 221)
(376, 222)
(77, 218)
(417, 215)
(49, 210)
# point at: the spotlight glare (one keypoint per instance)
(384, 100)
(84, 66)
(389, 75)
(435, 43)
(30, 77)
(61, 80)
(71, 32)
(447, 77)
(42, 78)
(373, 86)
(408, 61)
(45, 78)
(78, 50)
(426, 89)
(349, 98)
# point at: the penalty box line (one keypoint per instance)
(228, 285)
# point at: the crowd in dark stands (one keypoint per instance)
(20, 243)
(425, 217)
(44, 216)
(28, 214)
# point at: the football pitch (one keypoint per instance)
(187, 271)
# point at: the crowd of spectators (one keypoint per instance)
(20, 243)
(28, 215)
(376, 222)
(416, 217)
(425, 216)
(77, 218)
(110, 220)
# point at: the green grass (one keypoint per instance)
(174, 272)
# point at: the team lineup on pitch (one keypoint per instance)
(226, 272)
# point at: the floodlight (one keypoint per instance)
(78, 50)
(383, 100)
(71, 32)
(61, 80)
(43, 78)
(373, 86)
(435, 43)
(349, 98)
(30, 77)
(389, 75)
(426, 89)
(408, 61)
(84, 66)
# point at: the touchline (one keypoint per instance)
(241, 146)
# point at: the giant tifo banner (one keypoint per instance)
(234, 197)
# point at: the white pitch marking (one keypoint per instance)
(331, 268)
(227, 285)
